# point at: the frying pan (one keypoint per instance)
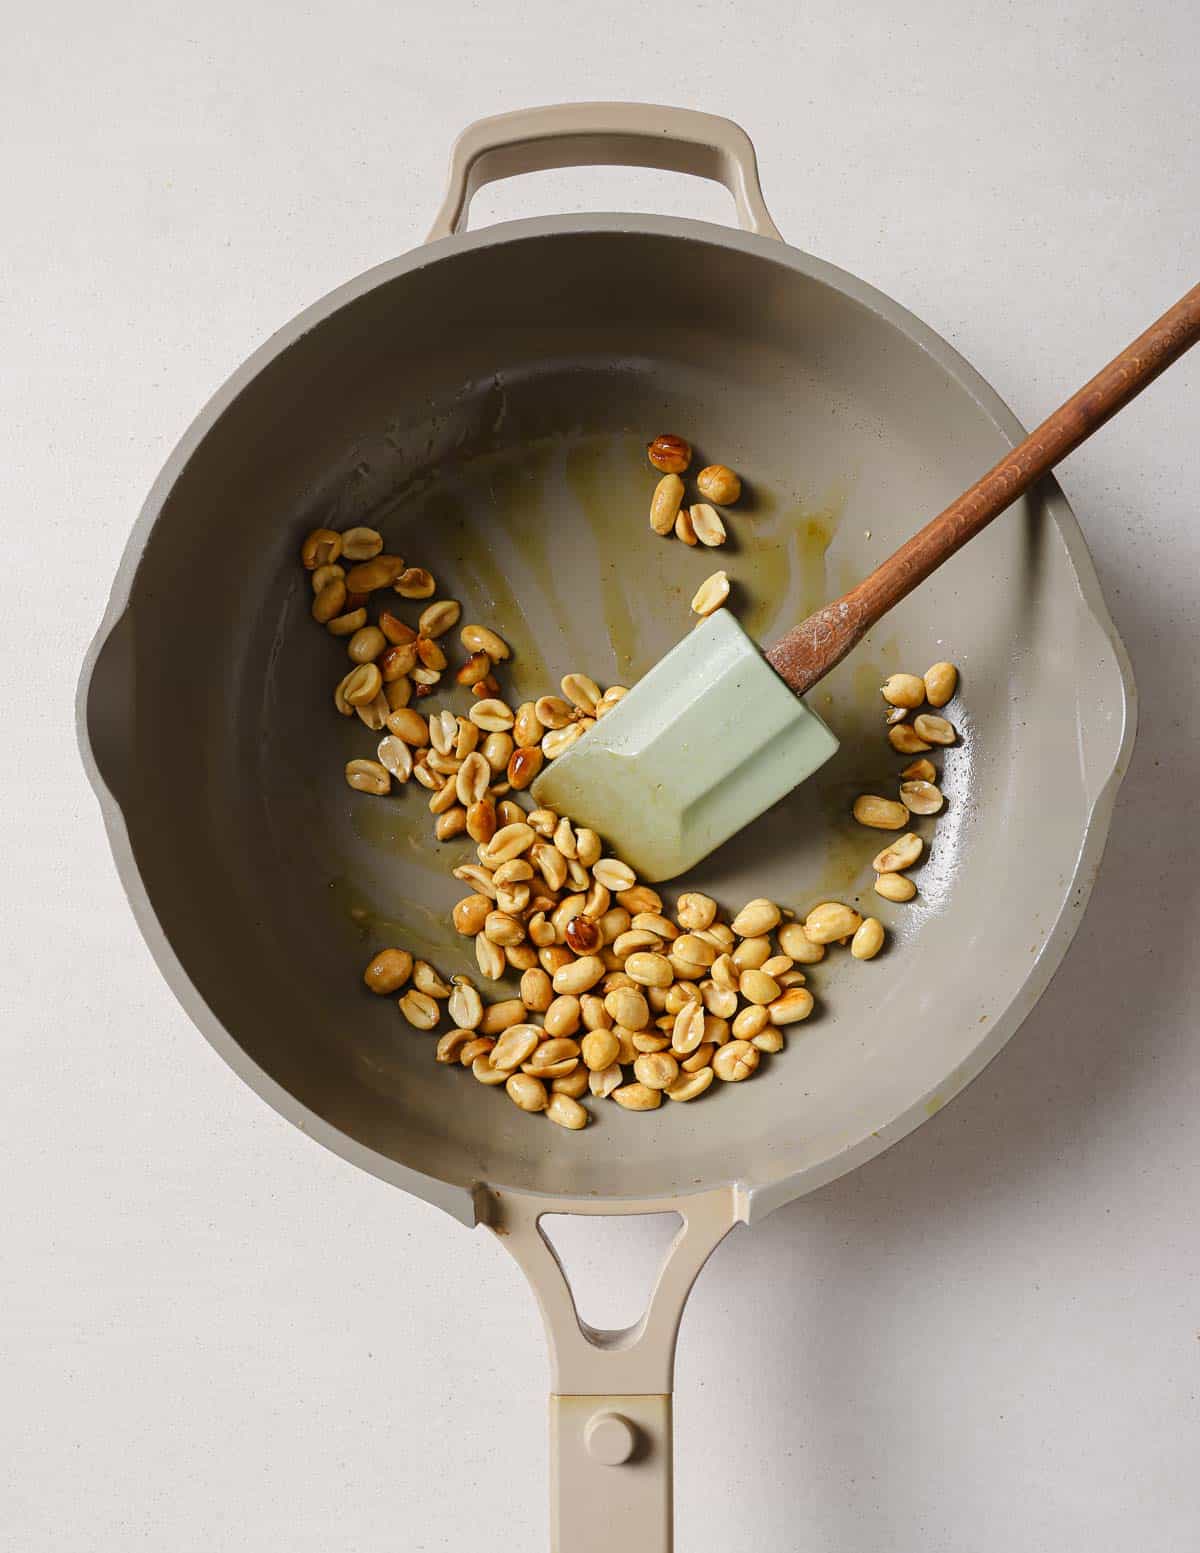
(485, 400)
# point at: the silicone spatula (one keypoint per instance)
(716, 732)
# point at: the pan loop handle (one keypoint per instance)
(604, 134)
(610, 1404)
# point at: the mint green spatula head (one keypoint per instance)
(700, 746)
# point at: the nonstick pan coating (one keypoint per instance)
(485, 402)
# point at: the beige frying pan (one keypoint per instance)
(484, 400)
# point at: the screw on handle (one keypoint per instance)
(812, 648)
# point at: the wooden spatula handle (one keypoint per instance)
(812, 648)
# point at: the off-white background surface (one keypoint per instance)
(217, 1336)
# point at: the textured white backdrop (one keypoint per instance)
(213, 1335)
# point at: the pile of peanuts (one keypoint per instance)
(700, 523)
(634, 1002)
(468, 764)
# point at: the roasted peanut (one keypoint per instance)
(420, 1010)
(735, 1061)
(718, 483)
(414, 582)
(905, 740)
(895, 887)
(526, 1092)
(921, 797)
(637, 1097)
(368, 776)
(711, 594)
(831, 921)
(880, 813)
(756, 918)
(941, 681)
(389, 970)
(665, 503)
(707, 524)
(934, 729)
(320, 548)
(906, 690)
(900, 855)
(868, 941)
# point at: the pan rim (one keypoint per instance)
(469, 1203)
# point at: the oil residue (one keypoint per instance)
(549, 542)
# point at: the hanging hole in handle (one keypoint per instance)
(611, 1264)
(603, 190)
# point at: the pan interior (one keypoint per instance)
(488, 411)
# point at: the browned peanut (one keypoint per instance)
(920, 770)
(524, 765)
(389, 970)
(669, 453)
(683, 527)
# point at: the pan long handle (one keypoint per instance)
(604, 134)
(610, 1403)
